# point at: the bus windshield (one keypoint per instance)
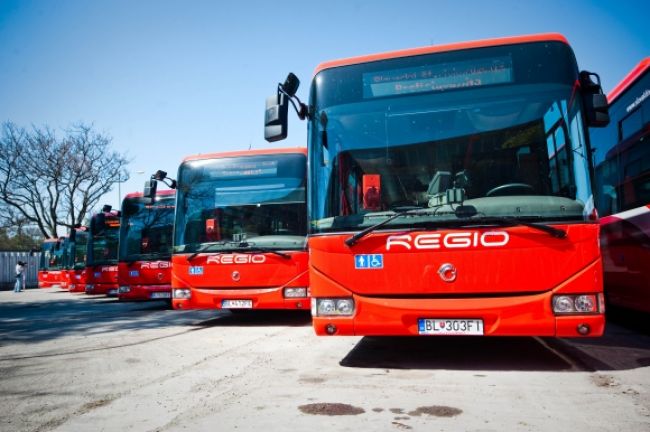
(146, 229)
(52, 256)
(80, 250)
(254, 200)
(103, 243)
(504, 124)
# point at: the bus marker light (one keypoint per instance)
(183, 293)
(295, 293)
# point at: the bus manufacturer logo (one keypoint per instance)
(455, 240)
(236, 259)
(196, 270)
(236, 276)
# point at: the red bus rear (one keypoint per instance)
(450, 191)
(144, 269)
(622, 161)
(239, 239)
(101, 265)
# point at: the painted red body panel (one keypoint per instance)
(262, 283)
(103, 279)
(246, 153)
(545, 37)
(77, 280)
(50, 278)
(629, 79)
(152, 277)
(625, 243)
(509, 287)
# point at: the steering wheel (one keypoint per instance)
(510, 189)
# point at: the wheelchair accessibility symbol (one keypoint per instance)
(369, 261)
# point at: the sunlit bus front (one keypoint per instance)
(51, 264)
(475, 163)
(144, 269)
(103, 240)
(239, 239)
(77, 255)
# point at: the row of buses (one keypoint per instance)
(445, 190)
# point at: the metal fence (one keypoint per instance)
(8, 261)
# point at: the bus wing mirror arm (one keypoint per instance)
(277, 107)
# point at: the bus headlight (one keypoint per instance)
(124, 289)
(332, 306)
(576, 304)
(90, 287)
(295, 292)
(182, 293)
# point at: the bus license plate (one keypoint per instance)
(237, 304)
(451, 327)
(161, 295)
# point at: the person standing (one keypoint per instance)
(20, 277)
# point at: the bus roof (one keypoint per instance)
(165, 192)
(629, 79)
(544, 37)
(302, 150)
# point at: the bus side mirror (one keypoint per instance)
(150, 188)
(594, 100)
(275, 118)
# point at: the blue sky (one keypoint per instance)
(167, 79)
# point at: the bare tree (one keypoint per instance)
(53, 182)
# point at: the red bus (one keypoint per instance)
(450, 192)
(52, 262)
(622, 161)
(77, 253)
(144, 268)
(239, 236)
(101, 264)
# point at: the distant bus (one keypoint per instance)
(77, 254)
(622, 165)
(52, 263)
(239, 234)
(144, 269)
(103, 241)
(450, 190)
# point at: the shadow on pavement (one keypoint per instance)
(455, 353)
(261, 318)
(32, 321)
(625, 344)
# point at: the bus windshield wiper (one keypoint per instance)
(206, 248)
(515, 221)
(249, 247)
(237, 247)
(399, 212)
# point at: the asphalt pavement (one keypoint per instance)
(71, 362)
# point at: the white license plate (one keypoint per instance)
(111, 292)
(434, 326)
(161, 295)
(237, 304)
